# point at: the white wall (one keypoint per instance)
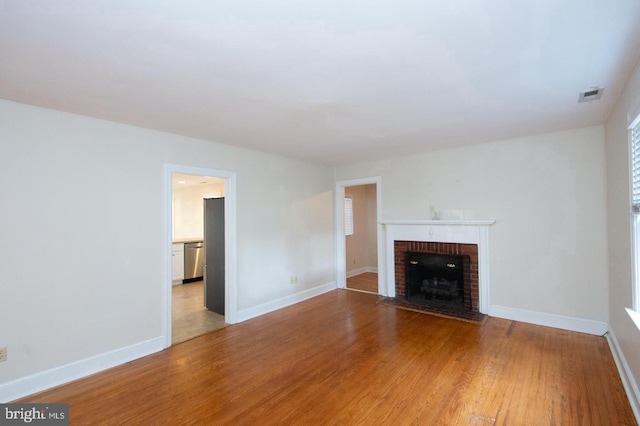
(188, 209)
(617, 149)
(372, 226)
(82, 227)
(548, 248)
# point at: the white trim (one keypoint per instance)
(230, 250)
(581, 325)
(363, 270)
(635, 316)
(463, 232)
(341, 245)
(356, 272)
(633, 251)
(57, 376)
(274, 305)
(628, 380)
(231, 295)
(633, 113)
(440, 222)
(341, 263)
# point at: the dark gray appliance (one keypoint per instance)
(214, 275)
(193, 261)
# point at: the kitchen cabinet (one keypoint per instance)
(177, 263)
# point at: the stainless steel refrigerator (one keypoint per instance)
(214, 276)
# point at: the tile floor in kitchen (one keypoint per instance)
(189, 317)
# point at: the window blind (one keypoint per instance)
(635, 166)
(348, 216)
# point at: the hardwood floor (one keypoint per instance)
(342, 359)
(189, 317)
(364, 282)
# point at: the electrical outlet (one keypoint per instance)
(3, 354)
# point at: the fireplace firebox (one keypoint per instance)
(469, 254)
(436, 280)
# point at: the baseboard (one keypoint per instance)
(549, 320)
(265, 308)
(38, 382)
(628, 381)
(363, 270)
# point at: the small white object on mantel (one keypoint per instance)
(441, 231)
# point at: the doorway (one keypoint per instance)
(190, 315)
(359, 262)
(186, 188)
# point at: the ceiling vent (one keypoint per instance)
(591, 94)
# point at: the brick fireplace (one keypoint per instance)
(468, 238)
(470, 268)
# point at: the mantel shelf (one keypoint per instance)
(439, 222)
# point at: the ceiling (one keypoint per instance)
(330, 81)
(182, 181)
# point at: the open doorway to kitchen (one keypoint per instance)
(358, 235)
(190, 317)
(190, 193)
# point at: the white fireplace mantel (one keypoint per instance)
(439, 222)
(442, 231)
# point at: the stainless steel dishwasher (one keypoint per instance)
(193, 261)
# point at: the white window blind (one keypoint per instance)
(634, 136)
(348, 216)
(635, 166)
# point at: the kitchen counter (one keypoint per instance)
(188, 240)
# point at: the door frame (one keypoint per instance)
(341, 249)
(230, 285)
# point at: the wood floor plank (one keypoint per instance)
(343, 359)
(367, 281)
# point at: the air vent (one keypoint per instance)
(591, 94)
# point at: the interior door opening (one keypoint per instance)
(358, 235)
(201, 271)
(361, 251)
(192, 198)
